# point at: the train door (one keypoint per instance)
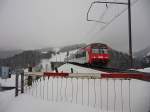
(87, 57)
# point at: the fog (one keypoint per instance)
(32, 24)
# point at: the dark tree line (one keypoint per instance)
(121, 60)
(25, 58)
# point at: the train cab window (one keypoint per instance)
(105, 51)
(100, 51)
(95, 51)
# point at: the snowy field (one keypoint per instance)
(147, 70)
(82, 95)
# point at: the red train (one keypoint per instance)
(95, 53)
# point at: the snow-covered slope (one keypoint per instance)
(76, 69)
(46, 63)
(147, 70)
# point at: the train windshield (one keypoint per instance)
(99, 51)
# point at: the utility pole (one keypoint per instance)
(130, 33)
(129, 22)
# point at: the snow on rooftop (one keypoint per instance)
(77, 69)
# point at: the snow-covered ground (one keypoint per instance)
(76, 69)
(147, 70)
(10, 82)
(81, 95)
(76, 94)
(27, 103)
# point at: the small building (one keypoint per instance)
(4, 72)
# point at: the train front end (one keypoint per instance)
(99, 54)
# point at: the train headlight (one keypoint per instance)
(94, 57)
(100, 57)
(106, 57)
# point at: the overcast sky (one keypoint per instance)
(30, 24)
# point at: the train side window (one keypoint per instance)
(84, 53)
(101, 51)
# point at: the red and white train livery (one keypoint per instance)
(95, 53)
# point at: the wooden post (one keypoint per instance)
(56, 69)
(71, 70)
(29, 77)
(22, 82)
(16, 89)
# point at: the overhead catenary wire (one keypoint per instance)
(96, 21)
(112, 20)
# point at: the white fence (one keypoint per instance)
(105, 95)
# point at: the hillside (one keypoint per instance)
(71, 47)
(140, 54)
(25, 58)
(8, 53)
(144, 57)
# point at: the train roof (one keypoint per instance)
(97, 45)
(92, 45)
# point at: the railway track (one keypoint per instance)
(114, 72)
(111, 70)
